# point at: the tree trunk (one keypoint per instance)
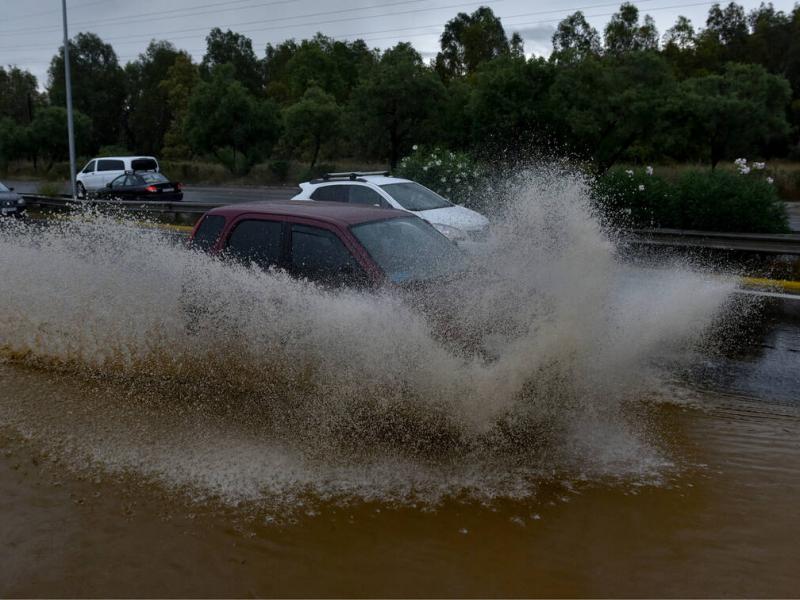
(317, 144)
(395, 148)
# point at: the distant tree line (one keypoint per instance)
(729, 89)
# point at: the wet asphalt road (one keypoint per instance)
(234, 194)
(197, 193)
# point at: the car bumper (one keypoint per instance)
(11, 211)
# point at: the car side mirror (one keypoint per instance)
(108, 185)
(10, 189)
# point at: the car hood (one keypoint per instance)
(9, 196)
(455, 216)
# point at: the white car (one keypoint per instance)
(460, 224)
(100, 171)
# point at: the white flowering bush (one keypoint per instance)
(454, 175)
(697, 199)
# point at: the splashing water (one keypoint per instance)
(287, 388)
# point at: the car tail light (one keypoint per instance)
(151, 188)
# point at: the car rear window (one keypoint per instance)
(257, 241)
(331, 193)
(206, 235)
(110, 165)
(153, 177)
(144, 164)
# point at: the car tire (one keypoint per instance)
(81, 191)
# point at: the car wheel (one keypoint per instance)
(81, 191)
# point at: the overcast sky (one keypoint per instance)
(30, 30)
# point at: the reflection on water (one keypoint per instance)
(761, 360)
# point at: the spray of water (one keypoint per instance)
(286, 388)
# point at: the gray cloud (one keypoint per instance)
(542, 33)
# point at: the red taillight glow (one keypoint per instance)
(151, 188)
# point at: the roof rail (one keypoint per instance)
(352, 174)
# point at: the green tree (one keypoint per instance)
(625, 34)
(227, 121)
(18, 94)
(12, 141)
(509, 101)
(575, 39)
(392, 106)
(605, 107)
(149, 112)
(469, 40)
(228, 47)
(311, 122)
(98, 86)
(182, 77)
(335, 66)
(47, 134)
(738, 113)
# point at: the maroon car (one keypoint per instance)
(332, 243)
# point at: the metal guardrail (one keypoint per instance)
(149, 206)
(761, 243)
(743, 242)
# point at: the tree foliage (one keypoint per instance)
(224, 119)
(311, 122)
(149, 111)
(235, 49)
(98, 85)
(468, 41)
(395, 102)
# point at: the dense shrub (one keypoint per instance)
(700, 200)
(454, 175)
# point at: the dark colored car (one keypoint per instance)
(331, 243)
(142, 186)
(10, 202)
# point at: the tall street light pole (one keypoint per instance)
(70, 128)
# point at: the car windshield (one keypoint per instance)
(413, 196)
(3, 188)
(409, 249)
(153, 177)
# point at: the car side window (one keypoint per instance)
(320, 255)
(110, 165)
(89, 168)
(207, 234)
(361, 194)
(119, 181)
(134, 180)
(331, 193)
(257, 241)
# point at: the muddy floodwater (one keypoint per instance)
(723, 520)
(557, 421)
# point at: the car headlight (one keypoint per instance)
(452, 233)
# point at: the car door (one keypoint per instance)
(318, 254)
(88, 176)
(256, 241)
(108, 169)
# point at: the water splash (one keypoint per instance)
(286, 387)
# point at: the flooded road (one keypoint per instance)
(592, 427)
(720, 520)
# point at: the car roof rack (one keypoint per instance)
(352, 175)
